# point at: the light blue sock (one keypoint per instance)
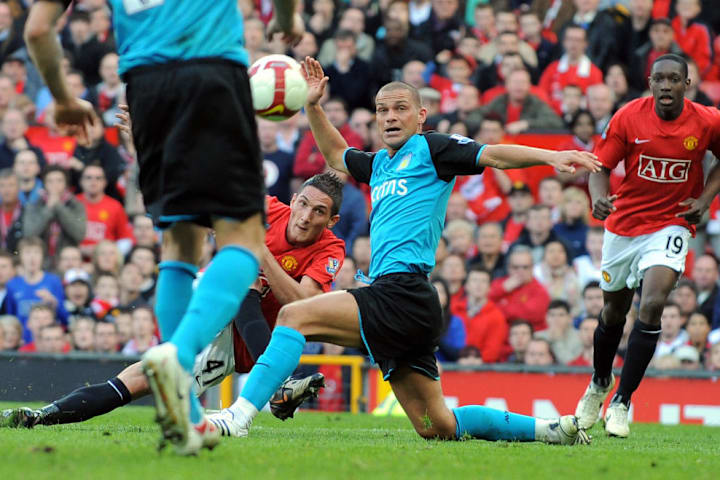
(172, 294)
(280, 359)
(215, 301)
(490, 424)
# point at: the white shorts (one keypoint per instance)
(215, 362)
(625, 259)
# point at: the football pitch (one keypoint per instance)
(122, 445)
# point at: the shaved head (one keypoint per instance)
(392, 86)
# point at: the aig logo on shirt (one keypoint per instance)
(663, 170)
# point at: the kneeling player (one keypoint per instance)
(301, 258)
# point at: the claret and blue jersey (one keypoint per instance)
(409, 193)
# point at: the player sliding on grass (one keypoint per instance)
(300, 259)
(650, 219)
(398, 319)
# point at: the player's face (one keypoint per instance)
(668, 84)
(310, 214)
(398, 117)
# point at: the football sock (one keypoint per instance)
(172, 295)
(641, 348)
(606, 341)
(491, 424)
(252, 326)
(86, 402)
(216, 300)
(280, 359)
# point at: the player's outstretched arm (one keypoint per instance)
(331, 144)
(517, 156)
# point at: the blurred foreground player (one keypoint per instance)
(300, 259)
(194, 128)
(398, 318)
(648, 225)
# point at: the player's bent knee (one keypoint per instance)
(291, 315)
(439, 431)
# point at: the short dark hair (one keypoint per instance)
(330, 185)
(345, 35)
(519, 323)
(558, 303)
(686, 282)
(398, 85)
(673, 57)
(578, 115)
(574, 26)
(56, 168)
(31, 242)
(670, 303)
(589, 285)
(477, 267)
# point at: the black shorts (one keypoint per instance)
(401, 322)
(195, 133)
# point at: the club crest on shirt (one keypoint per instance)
(332, 266)
(404, 162)
(606, 276)
(289, 263)
(690, 143)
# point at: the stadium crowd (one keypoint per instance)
(518, 267)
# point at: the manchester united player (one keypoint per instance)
(648, 224)
(300, 260)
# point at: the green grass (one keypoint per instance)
(122, 445)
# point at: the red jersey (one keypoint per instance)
(663, 163)
(106, 220)
(484, 197)
(320, 260)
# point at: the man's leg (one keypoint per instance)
(422, 399)
(605, 343)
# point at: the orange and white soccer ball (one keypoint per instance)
(278, 87)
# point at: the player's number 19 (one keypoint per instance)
(674, 244)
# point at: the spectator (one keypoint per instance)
(662, 41)
(592, 297)
(484, 323)
(277, 165)
(345, 278)
(689, 358)
(7, 272)
(123, 321)
(106, 337)
(574, 217)
(109, 92)
(40, 316)
(519, 295)
(12, 211)
(467, 101)
(538, 231)
(698, 329)
(362, 122)
(308, 160)
(454, 338)
(600, 101)
(555, 273)
(77, 293)
(693, 91)
(323, 20)
(143, 332)
(563, 338)
(457, 209)
(491, 78)
(685, 295)
(306, 48)
(454, 271)
(520, 200)
(131, 281)
(27, 168)
(705, 275)
(10, 38)
(692, 36)
(489, 246)
(586, 334)
(508, 40)
(254, 36)
(531, 29)
(69, 257)
(442, 28)
(353, 213)
(349, 74)
(352, 20)
(86, 49)
(520, 109)
(34, 285)
(52, 340)
(484, 29)
(714, 358)
(106, 218)
(634, 31)
(107, 258)
(396, 50)
(413, 73)
(82, 333)
(101, 26)
(460, 235)
(617, 78)
(11, 333)
(521, 333)
(361, 253)
(588, 266)
(539, 353)
(16, 66)
(550, 193)
(430, 100)
(457, 73)
(601, 32)
(146, 259)
(582, 125)
(672, 335)
(144, 232)
(11, 100)
(98, 151)
(107, 291)
(58, 217)
(573, 68)
(14, 127)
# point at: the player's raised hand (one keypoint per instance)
(604, 207)
(696, 210)
(315, 78)
(74, 117)
(291, 34)
(566, 161)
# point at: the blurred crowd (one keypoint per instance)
(518, 265)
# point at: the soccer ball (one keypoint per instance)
(278, 87)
